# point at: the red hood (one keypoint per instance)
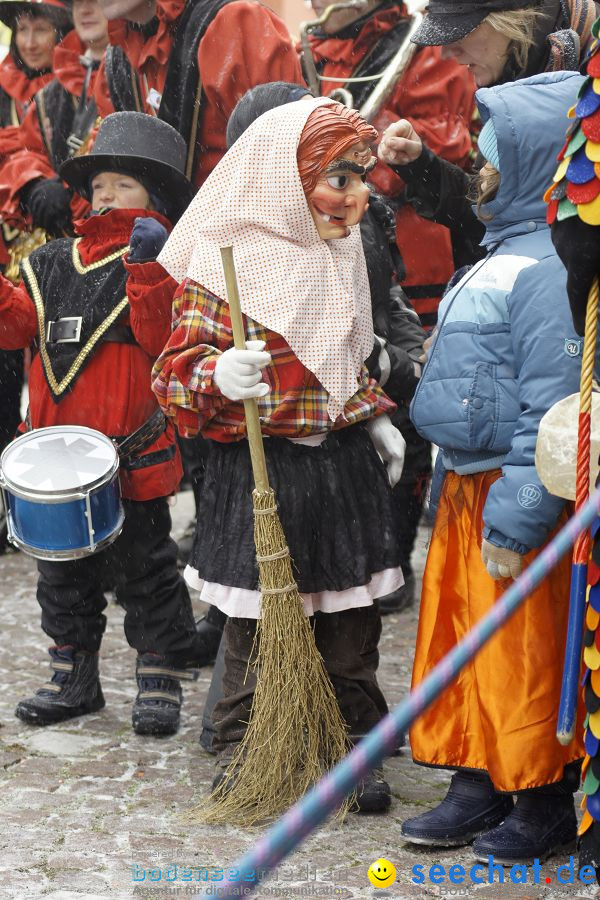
(158, 45)
(16, 83)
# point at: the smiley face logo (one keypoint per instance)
(381, 873)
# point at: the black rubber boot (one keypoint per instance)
(373, 794)
(470, 807)
(209, 630)
(158, 704)
(542, 822)
(74, 689)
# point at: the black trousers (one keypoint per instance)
(409, 498)
(346, 640)
(142, 563)
(11, 385)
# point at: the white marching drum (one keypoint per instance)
(61, 492)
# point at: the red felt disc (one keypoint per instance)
(591, 126)
(583, 193)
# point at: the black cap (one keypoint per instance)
(447, 21)
(57, 10)
(140, 144)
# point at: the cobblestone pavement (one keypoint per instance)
(88, 807)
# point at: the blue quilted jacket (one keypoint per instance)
(506, 349)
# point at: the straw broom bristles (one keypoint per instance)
(296, 730)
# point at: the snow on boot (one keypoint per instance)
(74, 689)
(158, 703)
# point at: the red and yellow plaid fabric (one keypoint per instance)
(183, 379)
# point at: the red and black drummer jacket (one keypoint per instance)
(96, 382)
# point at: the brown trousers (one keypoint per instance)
(346, 640)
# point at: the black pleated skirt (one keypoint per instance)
(334, 502)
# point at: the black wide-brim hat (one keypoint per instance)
(142, 145)
(447, 21)
(58, 11)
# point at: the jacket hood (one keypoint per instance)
(530, 121)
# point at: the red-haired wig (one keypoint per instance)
(329, 132)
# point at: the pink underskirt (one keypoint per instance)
(245, 604)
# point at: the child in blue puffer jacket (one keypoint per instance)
(505, 351)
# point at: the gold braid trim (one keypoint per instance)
(59, 387)
(83, 270)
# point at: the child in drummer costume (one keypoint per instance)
(107, 283)
(289, 195)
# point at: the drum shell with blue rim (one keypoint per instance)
(60, 487)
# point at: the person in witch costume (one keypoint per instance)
(289, 195)
(500, 360)
(27, 67)
(399, 337)
(135, 183)
(57, 126)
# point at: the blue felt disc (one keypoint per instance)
(593, 805)
(588, 103)
(581, 168)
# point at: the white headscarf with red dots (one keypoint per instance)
(314, 293)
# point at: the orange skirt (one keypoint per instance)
(499, 715)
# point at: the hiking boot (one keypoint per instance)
(470, 808)
(74, 689)
(158, 703)
(372, 794)
(538, 826)
(400, 600)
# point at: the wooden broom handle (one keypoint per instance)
(255, 439)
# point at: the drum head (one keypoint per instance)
(58, 461)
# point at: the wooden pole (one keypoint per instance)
(255, 440)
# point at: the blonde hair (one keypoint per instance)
(519, 27)
(482, 195)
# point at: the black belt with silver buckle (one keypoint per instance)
(68, 331)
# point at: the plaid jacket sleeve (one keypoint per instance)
(296, 405)
(183, 375)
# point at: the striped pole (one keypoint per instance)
(567, 711)
(326, 796)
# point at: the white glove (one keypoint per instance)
(390, 445)
(237, 372)
(501, 562)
